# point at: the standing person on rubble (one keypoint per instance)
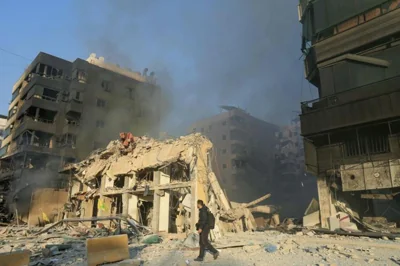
(205, 224)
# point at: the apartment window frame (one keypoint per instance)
(106, 85)
(101, 103)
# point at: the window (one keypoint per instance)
(224, 166)
(130, 93)
(106, 85)
(101, 103)
(79, 75)
(223, 137)
(78, 95)
(224, 123)
(223, 151)
(99, 123)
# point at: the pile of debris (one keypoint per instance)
(156, 184)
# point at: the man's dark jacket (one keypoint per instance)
(203, 218)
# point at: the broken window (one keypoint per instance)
(238, 149)
(101, 103)
(238, 163)
(49, 94)
(77, 96)
(79, 75)
(100, 124)
(106, 85)
(130, 93)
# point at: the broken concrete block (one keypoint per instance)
(107, 249)
(18, 258)
(334, 223)
(311, 219)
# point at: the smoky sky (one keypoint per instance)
(207, 53)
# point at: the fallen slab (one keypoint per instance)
(17, 258)
(107, 249)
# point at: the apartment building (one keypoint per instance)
(61, 111)
(243, 152)
(294, 182)
(352, 55)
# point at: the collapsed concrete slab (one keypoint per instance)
(156, 183)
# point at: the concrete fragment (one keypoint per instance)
(334, 223)
(311, 219)
(18, 258)
(107, 249)
(251, 249)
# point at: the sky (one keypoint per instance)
(207, 53)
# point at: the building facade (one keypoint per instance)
(294, 182)
(352, 55)
(61, 111)
(243, 154)
(3, 122)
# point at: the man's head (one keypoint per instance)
(200, 204)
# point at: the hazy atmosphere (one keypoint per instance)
(204, 53)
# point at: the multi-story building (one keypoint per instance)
(61, 111)
(243, 153)
(352, 144)
(3, 122)
(293, 182)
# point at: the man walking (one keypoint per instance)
(203, 227)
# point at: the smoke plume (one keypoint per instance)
(205, 53)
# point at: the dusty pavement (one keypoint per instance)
(291, 250)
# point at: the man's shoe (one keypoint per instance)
(198, 259)
(216, 254)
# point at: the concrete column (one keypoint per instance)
(125, 197)
(156, 203)
(164, 204)
(45, 69)
(37, 68)
(133, 210)
(325, 201)
(32, 137)
(194, 217)
(37, 114)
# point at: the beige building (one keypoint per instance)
(3, 122)
(243, 154)
(61, 111)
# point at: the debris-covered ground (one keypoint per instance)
(68, 247)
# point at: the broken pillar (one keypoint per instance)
(325, 201)
(164, 204)
(156, 202)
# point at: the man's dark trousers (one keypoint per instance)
(204, 243)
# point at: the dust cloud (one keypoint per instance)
(205, 53)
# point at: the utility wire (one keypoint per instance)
(18, 55)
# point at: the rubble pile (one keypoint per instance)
(135, 176)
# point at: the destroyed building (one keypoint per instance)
(243, 156)
(157, 184)
(294, 182)
(352, 55)
(61, 111)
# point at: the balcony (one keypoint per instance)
(74, 107)
(40, 101)
(352, 113)
(33, 148)
(29, 123)
(376, 29)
